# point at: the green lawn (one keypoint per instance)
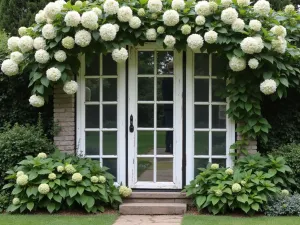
(229, 220)
(104, 219)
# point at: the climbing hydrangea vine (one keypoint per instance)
(259, 43)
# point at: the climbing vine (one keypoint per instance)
(258, 42)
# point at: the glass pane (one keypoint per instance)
(112, 165)
(145, 115)
(165, 115)
(92, 116)
(109, 116)
(218, 86)
(219, 64)
(92, 90)
(146, 89)
(201, 64)
(92, 140)
(165, 89)
(218, 116)
(221, 162)
(92, 65)
(145, 169)
(201, 143)
(201, 116)
(165, 63)
(109, 89)
(164, 170)
(219, 143)
(199, 163)
(145, 62)
(109, 65)
(109, 143)
(164, 142)
(201, 90)
(145, 142)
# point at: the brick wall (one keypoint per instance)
(252, 145)
(64, 114)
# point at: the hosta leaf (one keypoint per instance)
(17, 190)
(200, 200)
(57, 198)
(62, 193)
(72, 192)
(90, 202)
(51, 207)
(255, 206)
(80, 190)
(30, 206)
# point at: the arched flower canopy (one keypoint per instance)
(258, 42)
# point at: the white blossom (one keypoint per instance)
(229, 15)
(53, 74)
(20, 173)
(41, 56)
(108, 32)
(236, 188)
(52, 176)
(160, 30)
(60, 56)
(36, 101)
(151, 34)
(279, 45)
(141, 12)
(215, 166)
(70, 169)
(202, 8)
(72, 19)
(98, 11)
(78, 3)
(243, 2)
(9, 67)
(83, 38)
(171, 17)
(16, 201)
(238, 25)
(170, 41)
(22, 180)
(249, 45)
(186, 29)
(260, 44)
(154, 5)
(44, 189)
(253, 63)
(178, 4)
(120, 55)
(52, 9)
(268, 87)
(125, 191)
(25, 44)
(211, 37)
(102, 179)
(22, 31)
(213, 6)
(77, 177)
(124, 14)
(60, 2)
(195, 41)
(40, 17)
(278, 30)
(70, 87)
(229, 171)
(237, 64)
(200, 20)
(39, 43)
(255, 25)
(17, 57)
(226, 3)
(68, 42)
(60, 169)
(49, 31)
(289, 9)
(13, 43)
(111, 7)
(135, 22)
(89, 20)
(42, 155)
(94, 179)
(262, 7)
(117, 27)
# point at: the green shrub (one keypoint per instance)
(245, 187)
(283, 205)
(62, 182)
(18, 141)
(4, 200)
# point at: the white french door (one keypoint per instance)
(155, 118)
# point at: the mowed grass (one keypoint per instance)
(104, 219)
(229, 220)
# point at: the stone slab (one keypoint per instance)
(152, 208)
(148, 220)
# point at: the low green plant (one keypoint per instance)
(62, 182)
(4, 200)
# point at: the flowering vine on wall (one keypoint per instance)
(258, 42)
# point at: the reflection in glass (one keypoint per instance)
(146, 62)
(165, 63)
(109, 116)
(109, 65)
(165, 115)
(199, 163)
(165, 89)
(92, 143)
(219, 64)
(145, 142)
(201, 90)
(219, 116)
(218, 86)
(109, 143)
(145, 115)
(145, 89)
(201, 64)
(164, 169)
(221, 162)
(112, 165)
(92, 90)
(219, 143)
(145, 169)
(201, 143)
(92, 65)
(164, 142)
(201, 116)
(92, 116)
(109, 89)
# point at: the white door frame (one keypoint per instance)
(177, 121)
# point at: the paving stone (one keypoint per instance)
(149, 220)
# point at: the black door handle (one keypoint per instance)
(131, 127)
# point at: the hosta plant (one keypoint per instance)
(62, 182)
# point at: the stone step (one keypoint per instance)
(158, 197)
(151, 208)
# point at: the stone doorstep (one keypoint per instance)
(152, 208)
(159, 195)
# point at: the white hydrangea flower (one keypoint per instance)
(77, 177)
(289, 9)
(72, 19)
(120, 55)
(83, 38)
(186, 29)
(238, 25)
(268, 87)
(44, 189)
(236, 188)
(36, 101)
(49, 21)
(13, 43)
(68, 42)
(52, 176)
(108, 32)
(97, 11)
(211, 37)
(42, 155)
(229, 171)
(249, 45)
(78, 3)
(22, 31)
(171, 17)
(154, 16)
(39, 43)
(279, 45)
(17, 57)
(260, 44)
(218, 193)
(214, 166)
(125, 191)
(202, 8)
(141, 12)
(9, 67)
(262, 7)
(25, 43)
(255, 25)
(60, 56)
(237, 64)
(53, 74)
(117, 27)
(16, 201)
(285, 192)
(124, 14)
(195, 41)
(20, 173)
(41, 56)
(160, 30)
(89, 20)
(52, 9)
(170, 41)
(22, 180)
(111, 7)
(60, 2)
(278, 30)
(151, 34)
(70, 87)
(94, 179)
(226, 3)
(154, 5)
(178, 4)
(243, 2)
(60, 169)
(70, 169)
(243, 182)
(200, 20)
(102, 179)
(213, 6)
(49, 31)
(229, 15)
(40, 17)
(135, 22)
(253, 63)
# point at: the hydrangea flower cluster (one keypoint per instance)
(52, 176)
(214, 166)
(72, 18)
(125, 191)
(108, 32)
(171, 17)
(70, 169)
(22, 180)
(70, 87)
(268, 87)
(41, 56)
(42, 155)
(10, 67)
(169, 41)
(36, 101)
(60, 169)
(102, 179)
(83, 38)
(154, 5)
(120, 55)
(44, 189)
(53, 74)
(49, 31)
(39, 43)
(237, 64)
(229, 171)
(195, 41)
(60, 56)
(211, 37)
(77, 177)
(236, 188)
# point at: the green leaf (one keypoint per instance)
(80, 190)
(90, 202)
(51, 207)
(66, 29)
(7, 186)
(37, 76)
(96, 35)
(248, 106)
(245, 208)
(45, 81)
(72, 192)
(185, 19)
(284, 81)
(83, 199)
(30, 206)
(242, 198)
(62, 193)
(53, 44)
(200, 200)
(17, 190)
(57, 198)
(44, 171)
(267, 75)
(215, 200)
(40, 89)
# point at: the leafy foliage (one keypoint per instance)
(4, 200)
(281, 205)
